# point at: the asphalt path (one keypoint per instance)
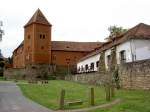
(12, 100)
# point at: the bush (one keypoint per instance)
(51, 77)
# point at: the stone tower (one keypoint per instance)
(37, 40)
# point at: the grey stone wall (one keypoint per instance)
(87, 78)
(14, 73)
(135, 75)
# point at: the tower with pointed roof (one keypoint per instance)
(37, 40)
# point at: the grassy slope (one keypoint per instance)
(48, 94)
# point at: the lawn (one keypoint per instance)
(132, 101)
(49, 94)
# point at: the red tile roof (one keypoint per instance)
(39, 18)
(71, 46)
(75, 46)
(140, 31)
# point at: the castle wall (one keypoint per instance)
(66, 57)
(18, 58)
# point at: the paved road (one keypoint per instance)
(12, 100)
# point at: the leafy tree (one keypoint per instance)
(116, 31)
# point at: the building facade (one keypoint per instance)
(132, 46)
(38, 47)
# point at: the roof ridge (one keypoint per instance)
(38, 17)
(138, 27)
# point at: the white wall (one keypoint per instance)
(124, 46)
(135, 49)
(141, 49)
(127, 47)
(92, 59)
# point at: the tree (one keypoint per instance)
(115, 31)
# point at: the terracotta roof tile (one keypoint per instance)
(39, 18)
(75, 46)
(140, 31)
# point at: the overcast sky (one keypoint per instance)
(72, 20)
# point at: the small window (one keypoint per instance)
(43, 36)
(97, 64)
(86, 67)
(40, 36)
(123, 56)
(28, 36)
(82, 69)
(79, 69)
(42, 47)
(92, 66)
(108, 59)
(67, 61)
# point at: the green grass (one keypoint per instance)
(133, 101)
(1, 78)
(48, 94)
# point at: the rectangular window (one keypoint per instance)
(123, 56)
(97, 64)
(86, 67)
(92, 66)
(82, 69)
(108, 59)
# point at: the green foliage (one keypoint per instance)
(51, 77)
(115, 31)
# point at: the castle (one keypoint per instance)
(37, 47)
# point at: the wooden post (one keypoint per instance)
(108, 92)
(62, 99)
(112, 91)
(92, 96)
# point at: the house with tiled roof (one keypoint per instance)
(37, 48)
(131, 46)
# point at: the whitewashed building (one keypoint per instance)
(89, 63)
(134, 45)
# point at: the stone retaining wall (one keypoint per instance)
(135, 75)
(90, 78)
(14, 73)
